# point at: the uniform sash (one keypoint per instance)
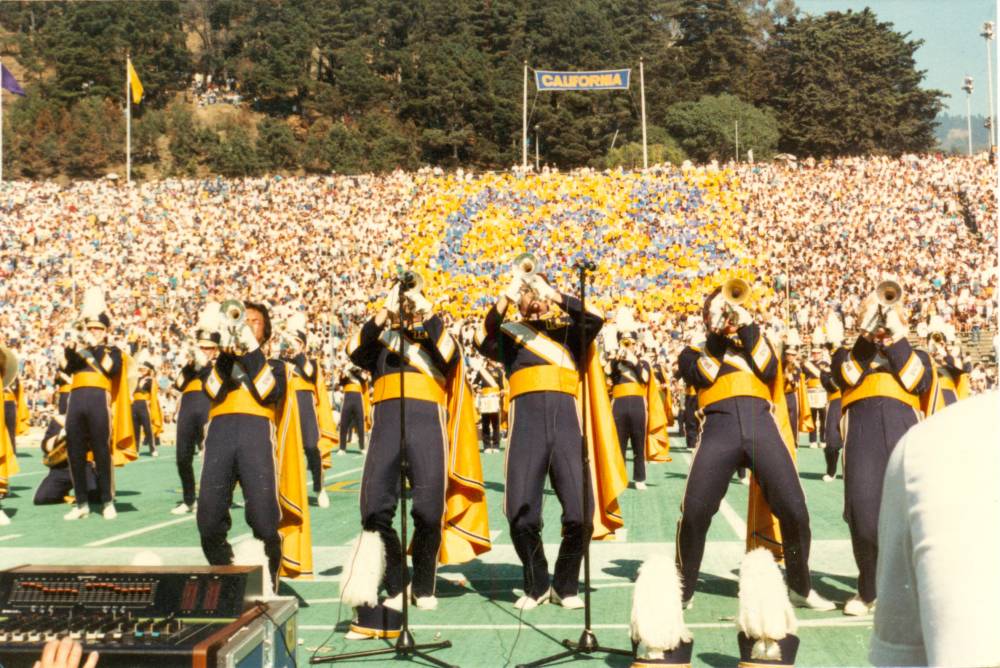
(293, 501)
(465, 531)
(657, 441)
(155, 410)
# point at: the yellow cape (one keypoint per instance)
(934, 399)
(293, 500)
(123, 448)
(328, 439)
(607, 467)
(466, 530)
(762, 525)
(8, 460)
(668, 401)
(155, 409)
(806, 425)
(657, 441)
(23, 416)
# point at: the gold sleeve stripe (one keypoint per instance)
(912, 370)
(851, 370)
(708, 367)
(264, 382)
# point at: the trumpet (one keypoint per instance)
(887, 294)
(735, 292)
(526, 265)
(232, 318)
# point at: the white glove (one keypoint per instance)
(716, 313)
(513, 290)
(391, 303)
(543, 289)
(869, 319)
(200, 358)
(631, 359)
(743, 316)
(89, 339)
(247, 340)
(896, 326)
(420, 303)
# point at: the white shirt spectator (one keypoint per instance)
(939, 542)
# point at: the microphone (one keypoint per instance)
(585, 265)
(408, 279)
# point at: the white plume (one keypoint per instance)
(250, 552)
(93, 303)
(657, 613)
(297, 323)
(363, 570)
(208, 319)
(766, 615)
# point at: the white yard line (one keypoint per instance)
(813, 623)
(139, 532)
(45, 471)
(11, 536)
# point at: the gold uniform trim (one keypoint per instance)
(544, 378)
(418, 386)
(628, 390)
(297, 383)
(241, 401)
(91, 379)
(735, 384)
(194, 386)
(879, 384)
(353, 387)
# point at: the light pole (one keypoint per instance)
(987, 34)
(967, 87)
(536, 148)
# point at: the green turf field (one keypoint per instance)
(475, 610)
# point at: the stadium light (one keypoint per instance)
(967, 87)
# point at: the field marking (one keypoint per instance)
(812, 623)
(139, 532)
(732, 518)
(46, 469)
(341, 474)
(11, 536)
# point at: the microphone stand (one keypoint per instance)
(406, 647)
(588, 643)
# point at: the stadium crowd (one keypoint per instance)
(812, 239)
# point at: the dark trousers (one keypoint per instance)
(792, 399)
(239, 448)
(142, 424)
(819, 420)
(352, 418)
(740, 431)
(873, 427)
(88, 429)
(191, 420)
(630, 422)
(10, 422)
(545, 441)
(490, 425)
(57, 485)
(831, 431)
(310, 437)
(426, 453)
(691, 427)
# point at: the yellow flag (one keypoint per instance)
(134, 82)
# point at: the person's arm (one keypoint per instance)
(701, 368)
(762, 358)
(849, 366)
(911, 367)
(487, 337)
(363, 347)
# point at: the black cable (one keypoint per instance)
(262, 606)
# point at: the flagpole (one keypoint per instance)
(1, 126)
(128, 123)
(642, 95)
(524, 121)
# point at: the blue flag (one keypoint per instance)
(8, 82)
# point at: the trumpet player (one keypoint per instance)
(146, 410)
(540, 355)
(630, 377)
(98, 414)
(192, 414)
(315, 413)
(881, 379)
(355, 409)
(736, 375)
(951, 382)
(487, 380)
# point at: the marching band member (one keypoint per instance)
(816, 398)
(487, 380)
(315, 413)
(689, 413)
(834, 442)
(637, 408)
(146, 411)
(449, 520)
(882, 379)
(355, 410)
(99, 373)
(737, 376)
(57, 484)
(540, 355)
(951, 378)
(8, 460)
(192, 413)
(249, 405)
(795, 389)
(15, 409)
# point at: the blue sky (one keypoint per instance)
(952, 46)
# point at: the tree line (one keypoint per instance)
(371, 85)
